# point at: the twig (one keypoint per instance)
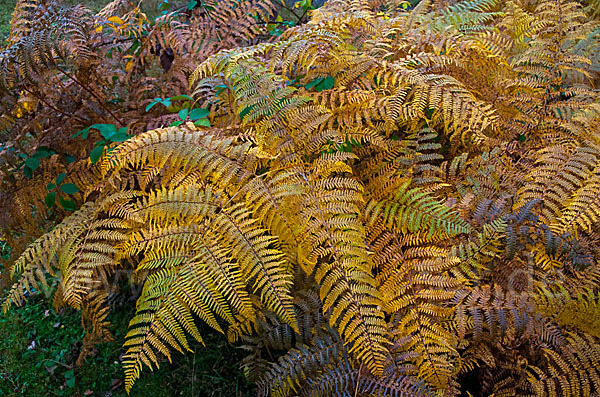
(48, 104)
(93, 94)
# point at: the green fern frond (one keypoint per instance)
(413, 211)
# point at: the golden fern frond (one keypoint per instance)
(40, 257)
(164, 315)
(333, 239)
(61, 34)
(22, 19)
(493, 309)
(94, 315)
(519, 23)
(186, 150)
(580, 312)
(86, 254)
(80, 247)
(560, 170)
(414, 281)
(582, 209)
(262, 264)
(467, 15)
(343, 380)
(476, 256)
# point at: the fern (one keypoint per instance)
(385, 200)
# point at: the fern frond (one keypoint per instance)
(297, 365)
(333, 235)
(412, 211)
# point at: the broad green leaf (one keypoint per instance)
(32, 163)
(96, 154)
(106, 130)
(60, 178)
(84, 133)
(119, 137)
(50, 186)
(191, 4)
(69, 188)
(313, 83)
(199, 113)
(43, 152)
(183, 114)
(151, 105)
(202, 122)
(50, 199)
(326, 84)
(181, 97)
(67, 203)
(176, 123)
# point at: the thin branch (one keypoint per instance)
(48, 104)
(93, 94)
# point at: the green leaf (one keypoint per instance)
(199, 113)
(314, 82)
(32, 163)
(69, 188)
(106, 130)
(176, 123)
(119, 137)
(220, 88)
(67, 203)
(151, 104)
(70, 379)
(183, 114)
(191, 4)
(164, 5)
(28, 172)
(43, 152)
(181, 97)
(60, 178)
(84, 133)
(202, 122)
(69, 158)
(50, 186)
(326, 84)
(96, 154)
(50, 199)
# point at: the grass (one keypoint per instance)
(38, 348)
(6, 9)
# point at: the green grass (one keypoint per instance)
(6, 9)
(47, 368)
